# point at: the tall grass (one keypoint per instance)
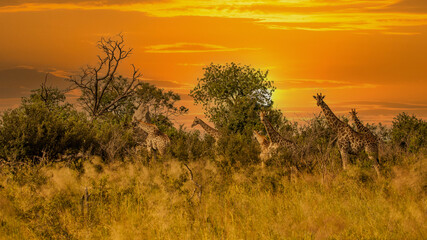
(128, 200)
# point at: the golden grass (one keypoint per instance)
(132, 201)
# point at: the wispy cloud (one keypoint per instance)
(190, 48)
(319, 84)
(192, 64)
(19, 81)
(310, 15)
(165, 83)
(370, 105)
(402, 33)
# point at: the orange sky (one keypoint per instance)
(370, 55)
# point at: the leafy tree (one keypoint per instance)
(161, 104)
(159, 101)
(232, 96)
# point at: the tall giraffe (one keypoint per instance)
(265, 147)
(141, 114)
(156, 140)
(349, 141)
(360, 127)
(209, 130)
(275, 138)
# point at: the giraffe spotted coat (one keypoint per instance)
(348, 140)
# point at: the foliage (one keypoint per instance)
(235, 151)
(409, 132)
(232, 96)
(159, 101)
(112, 139)
(189, 145)
(43, 127)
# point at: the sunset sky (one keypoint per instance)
(365, 54)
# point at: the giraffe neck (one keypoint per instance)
(262, 140)
(272, 134)
(147, 127)
(333, 120)
(360, 127)
(210, 130)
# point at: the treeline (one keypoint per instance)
(46, 128)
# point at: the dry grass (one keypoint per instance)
(132, 201)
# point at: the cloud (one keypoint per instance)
(415, 6)
(82, 2)
(309, 15)
(317, 84)
(192, 64)
(402, 33)
(370, 105)
(18, 82)
(190, 48)
(164, 83)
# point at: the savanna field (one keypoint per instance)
(130, 200)
(118, 165)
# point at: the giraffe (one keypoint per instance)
(156, 140)
(360, 127)
(276, 140)
(349, 141)
(209, 130)
(141, 114)
(265, 145)
(150, 135)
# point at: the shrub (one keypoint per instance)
(236, 150)
(409, 132)
(190, 146)
(112, 138)
(42, 129)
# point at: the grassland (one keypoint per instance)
(131, 200)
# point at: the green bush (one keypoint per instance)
(42, 129)
(237, 150)
(112, 139)
(409, 132)
(190, 146)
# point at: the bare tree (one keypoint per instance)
(103, 90)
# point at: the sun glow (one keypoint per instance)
(353, 51)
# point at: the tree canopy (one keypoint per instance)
(232, 95)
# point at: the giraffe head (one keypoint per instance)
(262, 116)
(141, 112)
(319, 98)
(353, 112)
(195, 122)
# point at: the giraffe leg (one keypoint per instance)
(376, 164)
(373, 156)
(263, 157)
(344, 157)
(150, 153)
